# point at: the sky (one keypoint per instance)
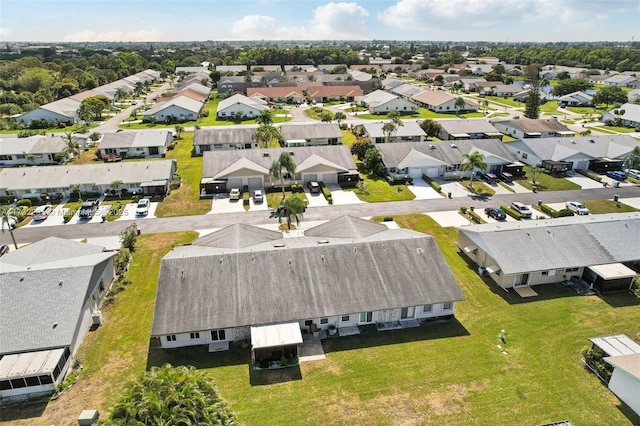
(446, 20)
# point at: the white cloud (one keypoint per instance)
(139, 35)
(4, 32)
(333, 21)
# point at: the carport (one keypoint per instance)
(610, 277)
(272, 343)
(212, 186)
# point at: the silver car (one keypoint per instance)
(576, 207)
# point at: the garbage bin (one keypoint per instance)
(471, 208)
(539, 202)
(616, 197)
(449, 194)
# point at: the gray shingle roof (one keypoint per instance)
(237, 236)
(224, 136)
(203, 288)
(134, 139)
(408, 128)
(310, 131)
(454, 127)
(31, 145)
(557, 149)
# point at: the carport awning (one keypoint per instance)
(269, 336)
(613, 271)
(493, 269)
(162, 182)
(469, 249)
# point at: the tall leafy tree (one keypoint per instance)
(281, 167)
(72, 147)
(389, 128)
(431, 128)
(632, 160)
(292, 210)
(374, 163)
(339, 117)
(532, 104)
(459, 104)
(9, 220)
(267, 136)
(610, 95)
(360, 147)
(472, 161)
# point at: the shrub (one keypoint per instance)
(511, 212)
(326, 192)
(635, 287)
(474, 217)
(564, 213)
(121, 261)
(594, 359)
(245, 196)
(176, 181)
(435, 185)
(590, 175)
(548, 210)
(463, 210)
(129, 236)
(24, 202)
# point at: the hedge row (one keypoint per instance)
(551, 212)
(590, 175)
(511, 212)
(326, 192)
(435, 185)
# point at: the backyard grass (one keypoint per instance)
(348, 138)
(607, 206)
(546, 182)
(185, 201)
(551, 107)
(378, 190)
(441, 373)
(507, 187)
(316, 112)
(618, 129)
(504, 101)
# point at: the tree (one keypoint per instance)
(460, 104)
(72, 147)
(431, 128)
(532, 104)
(632, 160)
(563, 75)
(471, 161)
(360, 147)
(339, 117)
(120, 94)
(172, 395)
(610, 95)
(129, 236)
(265, 118)
(178, 128)
(267, 136)
(95, 104)
(292, 209)
(9, 220)
(76, 188)
(326, 117)
(535, 171)
(564, 87)
(281, 167)
(373, 162)
(390, 127)
(116, 185)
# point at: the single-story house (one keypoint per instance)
(526, 253)
(213, 139)
(630, 118)
(267, 68)
(441, 101)
(329, 93)
(310, 134)
(391, 83)
(63, 110)
(407, 90)
(190, 70)
(248, 107)
(596, 153)
(521, 128)
(147, 143)
(578, 98)
(51, 292)
(244, 283)
(196, 87)
(504, 90)
(231, 68)
(360, 75)
(169, 96)
(469, 84)
(224, 170)
(523, 95)
(381, 102)
(467, 129)
(625, 379)
(143, 177)
(410, 131)
(633, 95)
(290, 95)
(180, 109)
(436, 159)
(31, 150)
(308, 68)
(621, 80)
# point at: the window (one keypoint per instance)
(545, 273)
(5, 157)
(447, 306)
(18, 383)
(45, 380)
(218, 335)
(32, 381)
(324, 320)
(171, 338)
(195, 335)
(344, 318)
(5, 385)
(366, 316)
(571, 269)
(101, 286)
(524, 154)
(427, 308)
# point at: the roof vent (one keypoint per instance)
(182, 274)
(420, 251)
(323, 242)
(279, 245)
(265, 154)
(60, 283)
(573, 142)
(592, 141)
(21, 278)
(55, 324)
(322, 258)
(453, 145)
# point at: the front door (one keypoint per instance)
(407, 312)
(366, 317)
(524, 280)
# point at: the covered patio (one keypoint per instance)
(275, 345)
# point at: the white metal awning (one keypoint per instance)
(493, 269)
(613, 271)
(268, 336)
(469, 249)
(29, 363)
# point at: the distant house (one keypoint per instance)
(63, 110)
(51, 293)
(147, 143)
(502, 90)
(521, 128)
(633, 95)
(248, 107)
(310, 134)
(596, 153)
(30, 151)
(621, 80)
(329, 93)
(602, 250)
(381, 102)
(190, 70)
(327, 287)
(231, 68)
(177, 110)
(630, 118)
(289, 95)
(143, 177)
(224, 170)
(214, 139)
(576, 99)
(440, 101)
(468, 129)
(407, 90)
(443, 159)
(410, 131)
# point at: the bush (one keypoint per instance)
(635, 287)
(121, 261)
(435, 185)
(245, 196)
(511, 212)
(590, 175)
(548, 210)
(594, 359)
(129, 236)
(326, 192)
(176, 181)
(463, 210)
(564, 213)
(474, 217)
(24, 202)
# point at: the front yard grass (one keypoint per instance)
(185, 201)
(607, 206)
(274, 198)
(479, 188)
(378, 190)
(348, 138)
(546, 182)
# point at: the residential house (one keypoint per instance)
(177, 110)
(630, 116)
(51, 292)
(141, 144)
(267, 68)
(596, 153)
(389, 84)
(521, 128)
(193, 94)
(299, 68)
(214, 139)
(410, 131)
(34, 150)
(195, 86)
(469, 84)
(502, 90)
(527, 253)
(360, 75)
(381, 102)
(443, 159)
(239, 104)
(467, 129)
(328, 287)
(330, 93)
(63, 110)
(576, 99)
(523, 95)
(633, 96)
(142, 177)
(289, 95)
(407, 90)
(227, 86)
(190, 70)
(621, 80)
(224, 170)
(441, 101)
(233, 69)
(310, 134)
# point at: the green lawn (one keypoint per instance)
(45, 131)
(547, 182)
(348, 138)
(275, 197)
(586, 110)
(618, 129)
(504, 101)
(551, 107)
(479, 188)
(316, 112)
(378, 190)
(607, 206)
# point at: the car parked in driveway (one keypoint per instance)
(633, 173)
(258, 196)
(522, 209)
(489, 178)
(314, 187)
(42, 212)
(576, 207)
(142, 209)
(496, 213)
(235, 194)
(506, 177)
(617, 175)
(88, 209)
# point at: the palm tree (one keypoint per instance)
(471, 161)
(178, 128)
(72, 147)
(267, 137)
(116, 185)
(390, 127)
(460, 103)
(282, 166)
(120, 94)
(632, 160)
(293, 208)
(265, 118)
(9, 220)
(339, 116)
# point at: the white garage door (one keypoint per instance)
(310, 178)
(234, 183)
(415, 172)
(255, 183)
(433, 172)
(330, 178)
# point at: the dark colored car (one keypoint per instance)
(489, 178)
(88, 209)
(617, 175)
(506, 177)
(4, 249)
(314, 187)
(495, 213)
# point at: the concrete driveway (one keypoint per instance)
(56, 217)
(259, 206)
(316, 199)
(224, 205)
(129, 212)
(488, 219)
(453, 187)
(584, 182)
(448, 218)
(341, 197)
(423, 190)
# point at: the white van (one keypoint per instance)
(634, 173)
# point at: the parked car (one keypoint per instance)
(521, 208)
(142, 209)
(617, 175)
(42, 212)
(88, 209)
(258, 196)
(576, 207)
(314, 187)
(4, 249)
(633, 173)
(495, 213)
(235, 194)
(506, 177)
(489, 178)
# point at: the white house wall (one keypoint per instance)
(175, 112)
(41, 113)
(626, 387)
(21, 160)
(400, 105)
(245, 110)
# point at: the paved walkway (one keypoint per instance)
(423, 190)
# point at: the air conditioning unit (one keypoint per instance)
(96, 317)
